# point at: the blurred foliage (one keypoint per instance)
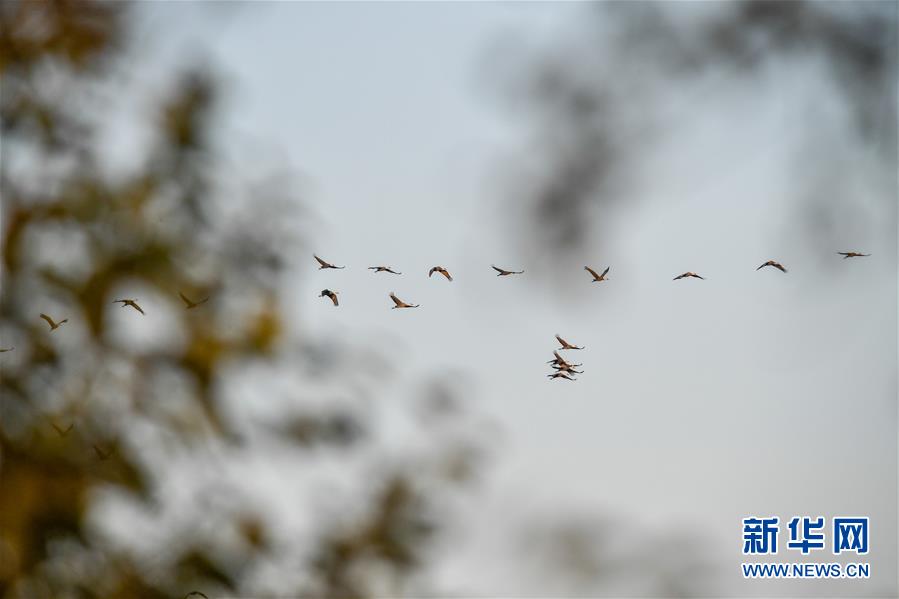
(595, 103)
(588, 556)
(100, 407)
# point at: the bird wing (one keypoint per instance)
(320, 261)
(780, 267)
(432, 271)
(606, 271)
(136, 307)
(499, 270)
(48, 319)
(592, 272)
(101, 454)
(185, 300)
(396, 300)
(762, 266)
(446, 274)
(62, 431)
(678, 277)
(562, 341)
(333, 297)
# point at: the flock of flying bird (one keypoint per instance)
(126, 302)
(398, 303)
(563, 369)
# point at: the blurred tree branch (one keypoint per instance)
(89, 409)
(594, 103)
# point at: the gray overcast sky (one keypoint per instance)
(750, 393)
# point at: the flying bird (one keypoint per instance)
(442, 271)
(560, 375)
(330, 294)
(852, 255)
(566, 345)
(54, 325)
(688, 274)
(104, 455)
(560, 360)
(384, 269)
(567, 368)
(400, 303)
(62, 431)
(6, 349)
(129, 302)
(598, 278)
(323, 265)
(504, 273)
(190, 305)
(776, 265)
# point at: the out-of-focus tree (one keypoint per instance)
(583, 555)
(595, 104)
(107, 419)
